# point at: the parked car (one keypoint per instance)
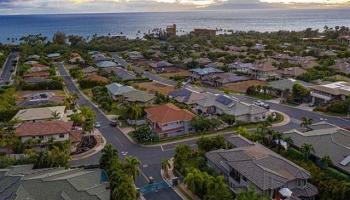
(97, 125)
(262, 104)
(113, 123)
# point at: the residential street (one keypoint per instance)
(8, 69)
(151, 157)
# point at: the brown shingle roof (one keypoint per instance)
(43, 128)
(168, 113)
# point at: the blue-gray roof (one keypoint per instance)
(117, 89)
(204, 71)
(104, 64)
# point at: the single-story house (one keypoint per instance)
(224, 104)
(40, 99)
(284, 85)
(41, 74)
(199, 73)
(161, 66)
(56, 130)
(138, 96)
(251, 164)
(327, 140)
(105, 64)
(121, 62)
(116, 89)
(33, 57)
(38, 114)
(220, 79)
(89, 70)
(121, 73)
(187, 96)
(168, 120)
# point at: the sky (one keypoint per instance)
(8, 7)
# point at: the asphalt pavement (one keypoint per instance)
(150, 157)
(8, 69)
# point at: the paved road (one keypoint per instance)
(150, 157)
(8, 69)
(295, 114)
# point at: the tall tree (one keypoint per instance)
(307, 149)
(109, 155)
(132, 166)
(59, 38)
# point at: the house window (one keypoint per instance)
(244, 178)
(41, 137)
(61, 135)
(301, 182)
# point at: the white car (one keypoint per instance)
(97, 125)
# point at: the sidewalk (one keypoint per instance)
(101, 143)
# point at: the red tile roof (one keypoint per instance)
(38, 65)
(168, 113)
(37, 74)
(75, 136)
(42, 128)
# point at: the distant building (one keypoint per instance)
(22, 182)
(168, 120)
(344, 39)
(252, 164)
(204, 32)
(171, 30)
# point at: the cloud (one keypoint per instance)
(88, 6)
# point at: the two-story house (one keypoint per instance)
(322, 94)
(168, 120)
(253, 165)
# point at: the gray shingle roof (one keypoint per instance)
(23, 183)
(236, 107)
(117, 89)
(327, 140)
(261, 166)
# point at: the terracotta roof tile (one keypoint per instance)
(168, 113)
(43, 128)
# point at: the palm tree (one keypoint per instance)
(125, 189)
(217, 189)
(306, 149)
(132, 166)
(55, 115)
(109, 155)
(250, 194)
(134, 111)
(191, 181)
(165, 167)
(305, 122)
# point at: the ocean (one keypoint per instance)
(136, 24)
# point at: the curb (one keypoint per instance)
(91, 152)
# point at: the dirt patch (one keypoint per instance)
(180, 72)
(153, 87)
(242, 87)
